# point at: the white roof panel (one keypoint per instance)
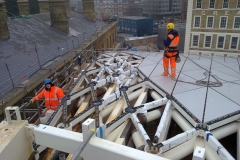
(222, 99)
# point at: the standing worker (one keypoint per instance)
(52, 95)
(170, 50)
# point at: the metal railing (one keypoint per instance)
(67, 68)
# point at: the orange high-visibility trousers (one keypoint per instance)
(172, 58)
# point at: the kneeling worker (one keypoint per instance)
(170, 50)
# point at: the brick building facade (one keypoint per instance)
(213, 26)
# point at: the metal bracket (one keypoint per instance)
(16, 111)
(115, 74)
(129, 109)
(202, 126)
(169, 97)
(30, 132)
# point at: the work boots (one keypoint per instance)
(165, 73)
(173, 70)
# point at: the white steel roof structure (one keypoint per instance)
(203, 98)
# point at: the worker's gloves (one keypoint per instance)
(31, 101)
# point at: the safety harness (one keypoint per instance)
(172, 49)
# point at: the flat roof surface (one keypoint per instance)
(191, 91)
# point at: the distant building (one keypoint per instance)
(166, 20)
(162, 8)
(105, 8)
(135, 9)
(184, 11)
(137, 26)
(76, 5)
(213, 26)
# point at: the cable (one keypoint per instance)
(238, 64)
(201, 82)
(205, 103)
(224, 65)
(155, 67)
(178, 74)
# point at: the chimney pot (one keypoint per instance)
(4, 32)
(58, 14)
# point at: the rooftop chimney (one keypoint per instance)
(88, 9)
(68, 9)
(43, 6)
(23, 6)
(4, 32)
(58, 14)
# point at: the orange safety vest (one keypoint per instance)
(174, 41)
(52, 97)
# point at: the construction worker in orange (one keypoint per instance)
(170, 50)
(52, 95)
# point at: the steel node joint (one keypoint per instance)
(97, 103)
(169, 97)
(130, 109)
(202, 126)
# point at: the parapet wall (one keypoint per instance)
(138, 41)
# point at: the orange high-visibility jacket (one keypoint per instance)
(52, 97)
(174, 40)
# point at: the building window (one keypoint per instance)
(199, 4)
(234, 43)
(238, 4)
(211, 3)
(208, 41)
(197, 22)
(236, 22)
(195, 40)
(225, 3)
(223, 22)
(220, 42)
(210, 22)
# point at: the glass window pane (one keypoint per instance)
(197, 22)
(210, 22)
(211, 4)
(195, 40)
(237, 22)
(208, 41)
(225, 3)
(220, 42)
(223, 22)
(234, 43)
(199, 3)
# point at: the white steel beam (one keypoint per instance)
(179, 139)
(93, 71)
(217, 146)
(163, 125)
(140, 128)
(180, 151)
(181, 121)
(82, 117)
(68, 141)
(225, 130)
(238, 141)
(78, 94)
